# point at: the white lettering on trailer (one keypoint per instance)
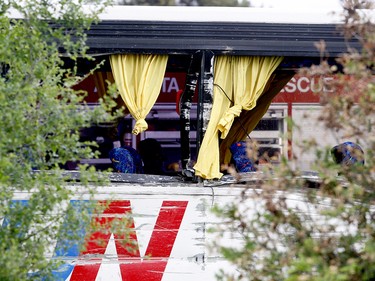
(305, 85)
(170, 84)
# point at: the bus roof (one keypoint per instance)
(221, 14)
(221, 30)
(180, 30)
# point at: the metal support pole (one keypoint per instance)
(185, 108)
(205, 99)
(205, 95)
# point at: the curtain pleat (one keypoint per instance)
(139, 79)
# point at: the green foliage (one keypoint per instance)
(296, 233)
(41, 117)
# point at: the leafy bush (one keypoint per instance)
(40, 120)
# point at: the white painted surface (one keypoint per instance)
(190, 258)
(333, 5)
(221, 14)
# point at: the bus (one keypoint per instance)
(170, 215)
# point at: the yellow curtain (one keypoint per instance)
(250, 76)
(249, 119)
(239, 82)
(139, 79)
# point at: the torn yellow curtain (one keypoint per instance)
(139, 79)
(239, 82)
(250, 76)
(248, 120)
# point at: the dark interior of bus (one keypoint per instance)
(163, 120)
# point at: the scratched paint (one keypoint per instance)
(127, 257)
(168, 225)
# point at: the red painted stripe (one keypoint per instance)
(97, 241)
(144, 270)
(166, 228)
(150, 268)
(87, 272)
(116, 207)
(159, 247)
